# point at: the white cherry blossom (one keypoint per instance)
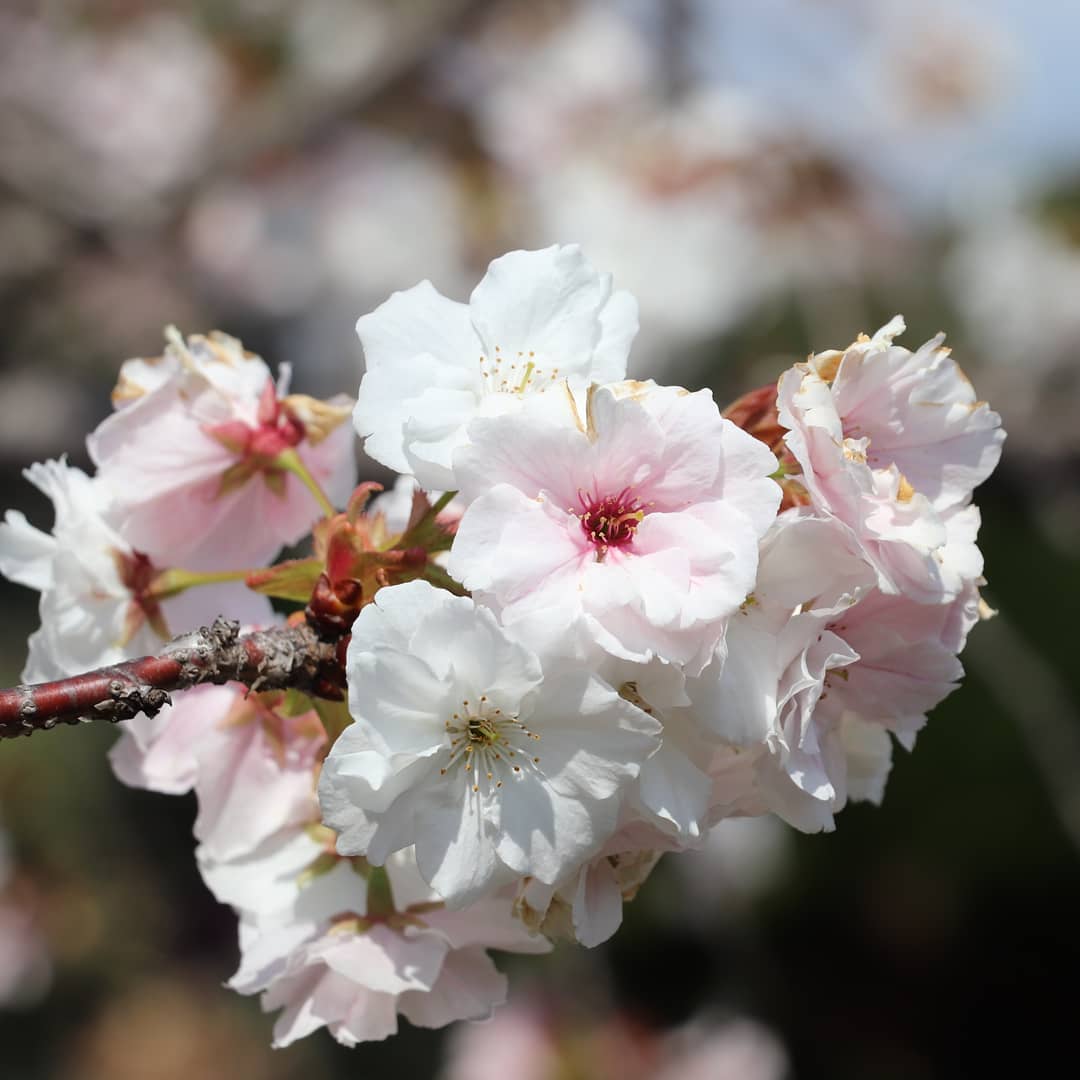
(649, 647)
(356, 978)
(781, 651)
(433, 364)
(587, 905)
(463, 745)
(97, 601)
(673, 789)
(332, 942)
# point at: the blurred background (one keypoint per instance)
(768, 179)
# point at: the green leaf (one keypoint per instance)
(291, 580)
(440, 578)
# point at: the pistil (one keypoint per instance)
(610, 521)
(483, 739)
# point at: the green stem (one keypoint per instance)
(442, 503)
(380, 896)
(170, 582)
(290, 461)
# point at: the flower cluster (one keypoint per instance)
(628, 618)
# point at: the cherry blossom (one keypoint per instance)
(255, 772)
(332, 942)
(204, 445)
(635, 526)
(498, 709)
(673, 788)
(433, 364)
(160, 753)
(907, 659)
(891, 442)
(356, 979)
(463, 745)
(781, 653)
(101, 600)
(587, 906)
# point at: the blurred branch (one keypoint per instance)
(675, 39)
(284, 657)
(295, 108)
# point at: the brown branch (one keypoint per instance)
(280, 658)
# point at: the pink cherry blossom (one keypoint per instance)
(892, 443)
(822, 665)
(907, 659)
(255, 772)
(191, 456)
(159, 753)
(918, 412)
(781, 650)
(635, 527)
(249, 759)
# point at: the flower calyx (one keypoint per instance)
(139, 575)
(263, 447)
(355, 556)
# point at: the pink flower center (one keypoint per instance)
(610, 521)
(137, 574)
(257, 447)
(275, 431)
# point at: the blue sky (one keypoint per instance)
(809, 59)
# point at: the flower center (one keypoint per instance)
(488, 743)
(257, 447)
(503, 373)
(137, 574)
(610, 521)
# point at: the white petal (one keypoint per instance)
(544, 305)
(468, 988)
(598, 903)
(26, 553)
(455, 841)
(418, 320)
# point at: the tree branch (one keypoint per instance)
(284, 657)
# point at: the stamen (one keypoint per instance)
(610, 521)
(525, 378)
(484, 739)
